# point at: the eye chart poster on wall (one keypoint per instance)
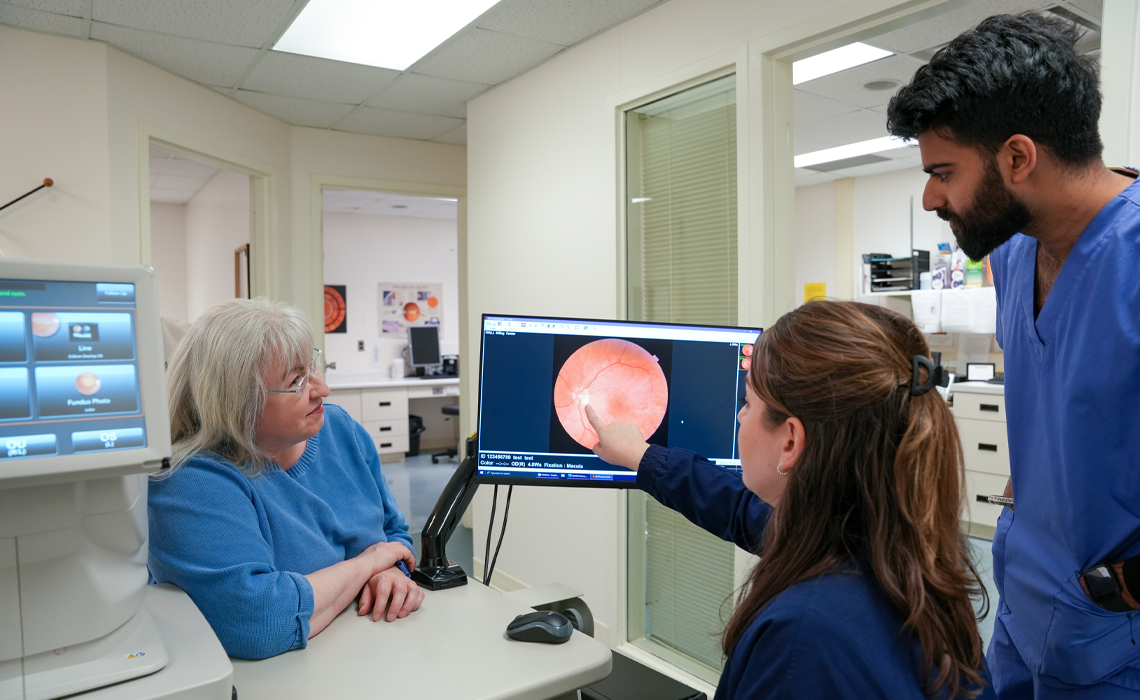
(404, 304)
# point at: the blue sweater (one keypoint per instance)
(833, 637)
(241, 547)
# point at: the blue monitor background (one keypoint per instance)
(521, 438)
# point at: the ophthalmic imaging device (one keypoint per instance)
(83, 422)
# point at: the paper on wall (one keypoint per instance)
(969, 310)
(926, 307)
(972, 347)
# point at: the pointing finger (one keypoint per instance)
(595, 421)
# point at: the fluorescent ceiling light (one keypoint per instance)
(862, 148)
(834, 61)
(382, 33)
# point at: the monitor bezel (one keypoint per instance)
(438, 345)
(36, 471)
(562, 483)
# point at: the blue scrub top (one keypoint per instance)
(1073, 412)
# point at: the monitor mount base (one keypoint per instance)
(434, 571)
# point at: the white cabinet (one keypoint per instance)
(979, 413)
(382, 407)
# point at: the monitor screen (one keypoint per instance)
(73, 382)
(681, 385)
(423, 346)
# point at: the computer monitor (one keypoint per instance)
(423, 346)
(680, 384)
(82, 391)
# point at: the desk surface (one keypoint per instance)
(454, 646)
(369, 380)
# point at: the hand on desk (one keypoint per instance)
(393, 589)
(618, 443)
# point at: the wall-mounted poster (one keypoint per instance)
(336, 309)
(404, 304)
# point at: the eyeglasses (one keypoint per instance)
(303, 383)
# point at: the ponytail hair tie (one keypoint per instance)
(936, 374)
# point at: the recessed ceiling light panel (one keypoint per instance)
(380, 33)
(835, 60)
(862, 148)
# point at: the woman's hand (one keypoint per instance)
(384, 555)
(618, 443)
(393, 590)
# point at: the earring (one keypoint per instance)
(781, 472)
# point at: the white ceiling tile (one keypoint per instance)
(811, 108)
(174, 182)
(886, 166)
(847, 86)
(805, 145)
(457, 136)
(200, 61)
(72, 8)
(169, 196)
(564, 22)
(37, 21)
(844, 129)
(404, 125)
(246, 23)
(943, 28)
(427, 95)
(316, 78)
(295, 110)
(805, 177)
(480, 56)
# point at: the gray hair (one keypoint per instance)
(216, 379)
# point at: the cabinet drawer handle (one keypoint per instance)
(991, 407)
(385, 428)
(385, 444)
(385, 403)
(986, 447)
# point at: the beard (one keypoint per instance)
(992, 219)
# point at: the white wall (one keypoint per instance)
(883, 213)
(217, 222)
(542, 217)
(362, 250)
(815, 238)
(54, 122)
(168, 258)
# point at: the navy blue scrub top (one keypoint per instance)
(834, 637)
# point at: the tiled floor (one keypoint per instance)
(416, 484)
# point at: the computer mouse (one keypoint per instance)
(543, 626)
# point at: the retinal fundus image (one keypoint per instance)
(623, 381)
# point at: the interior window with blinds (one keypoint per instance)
(681, 258)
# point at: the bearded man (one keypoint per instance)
(1006, 121)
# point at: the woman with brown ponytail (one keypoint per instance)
(851, 489)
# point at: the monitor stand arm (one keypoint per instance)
(434, 571)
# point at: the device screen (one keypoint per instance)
(681, 385)
(69, 374)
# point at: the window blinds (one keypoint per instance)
(683, 268)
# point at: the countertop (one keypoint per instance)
(978, 388)
(372, 380)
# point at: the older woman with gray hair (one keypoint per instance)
(274, 515)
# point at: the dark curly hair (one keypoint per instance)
(1012, 74)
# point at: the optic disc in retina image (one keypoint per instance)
(621, 380)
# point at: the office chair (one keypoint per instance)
(452, 410)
